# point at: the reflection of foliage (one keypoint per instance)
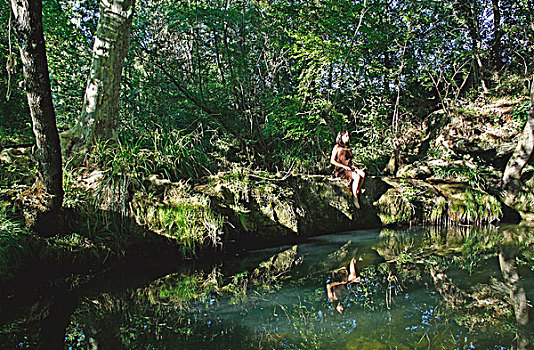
(237, 287)
(268, 276)
(305, 335)
(181, 289)
(260, 307)
(394, 243)
(270, 273)
(373, 284)
(19, 334)
(481, 304)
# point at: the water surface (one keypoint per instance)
(421, 288)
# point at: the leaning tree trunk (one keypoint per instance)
(523, 151)
(100, 113)
(29, 31)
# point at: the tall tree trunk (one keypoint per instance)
(522, 153)
(28, 15)
(470, 13)
(100, 112)
(497, 35)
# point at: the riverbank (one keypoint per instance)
(448, 174)
(232, 211)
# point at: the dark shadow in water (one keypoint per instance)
(274, 298)
(56, 315)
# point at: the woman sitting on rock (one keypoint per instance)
(342, 160)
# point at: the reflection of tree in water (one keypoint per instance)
(487, 303)
(178, 309)
(280, 300)
(517, 296)
(174, 311)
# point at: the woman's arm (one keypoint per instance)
(330, 290)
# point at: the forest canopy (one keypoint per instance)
(269, 83)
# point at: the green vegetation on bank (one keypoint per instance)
(247, 96)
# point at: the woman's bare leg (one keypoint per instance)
(356, 183)
(360, 183)
(352, 270)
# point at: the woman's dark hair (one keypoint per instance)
(339, 138)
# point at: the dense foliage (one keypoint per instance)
(253, 94)
(270, 83)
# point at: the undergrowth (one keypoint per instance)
(173, 155)
(120, 193)
(14, 239)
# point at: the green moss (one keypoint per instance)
(182, 290)
(415, 201)
(247, 223)
(438, 211)
(473, 207)
(237, 287)
(396, 206)
(182, 216)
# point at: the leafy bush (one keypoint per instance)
(520, 114)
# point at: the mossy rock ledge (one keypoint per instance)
(268, 207)
(254, 208)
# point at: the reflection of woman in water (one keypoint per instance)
(342, 160)
(337, 291)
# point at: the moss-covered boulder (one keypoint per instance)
(410, 201)
(271, 207)
(143, 217)
(416, 170)
(261, 206)
(437, 202)
(469, 205)
(175, 212)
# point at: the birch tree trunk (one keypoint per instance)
(28, 15)
(522, 153)
(100, 112)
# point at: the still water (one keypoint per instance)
(419, 288)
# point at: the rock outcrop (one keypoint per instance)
(263, 207)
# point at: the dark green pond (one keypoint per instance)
(421, 288)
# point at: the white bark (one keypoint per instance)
(100, 112)
(518, 297)
(523, 151)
